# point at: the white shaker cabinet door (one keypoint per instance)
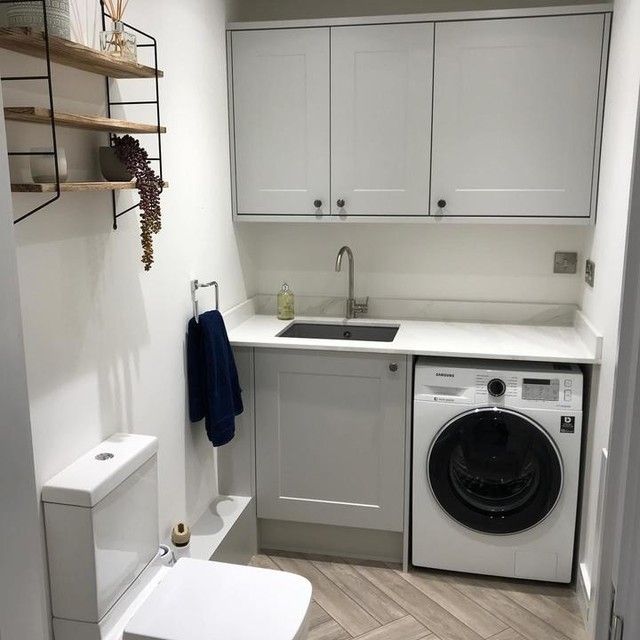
(516, 109)
(280, 100)
(330, 432)
(381, 77)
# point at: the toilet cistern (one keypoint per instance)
(353, 307)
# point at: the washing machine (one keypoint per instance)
(496, 467)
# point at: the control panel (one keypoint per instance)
(516, 385)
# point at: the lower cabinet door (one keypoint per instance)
(330, 438)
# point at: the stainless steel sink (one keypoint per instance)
(319, 331)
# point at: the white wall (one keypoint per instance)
(23, 601)
(602, 304)
(448, 262)
(105, 340)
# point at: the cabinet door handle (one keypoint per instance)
(317, 203)
(393, 367)
(341, 203)
(442, 203)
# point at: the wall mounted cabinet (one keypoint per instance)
(457, 117)
(330, 438)
(515, 116)
(281, 121)
(380, 119)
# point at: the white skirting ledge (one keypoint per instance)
(584, 590)
(218, 523)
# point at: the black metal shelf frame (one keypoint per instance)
(54, 138)
(152, 43)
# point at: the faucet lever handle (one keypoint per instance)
(361, 306)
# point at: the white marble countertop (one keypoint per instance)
(575, 344)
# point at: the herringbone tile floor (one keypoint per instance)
(374, 601)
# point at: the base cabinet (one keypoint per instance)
(330, 438)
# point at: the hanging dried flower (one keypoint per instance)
(149, 185)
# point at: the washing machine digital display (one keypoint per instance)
(541, 389)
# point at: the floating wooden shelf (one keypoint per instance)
(31, 42)
(41, 115)
(50, 187)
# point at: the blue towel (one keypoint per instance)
(214, 390)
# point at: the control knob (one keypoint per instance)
(496, 388)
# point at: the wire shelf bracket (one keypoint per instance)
(54, 137)
(152, 43)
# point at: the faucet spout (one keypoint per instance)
(351, 301)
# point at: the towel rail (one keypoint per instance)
(195, 285)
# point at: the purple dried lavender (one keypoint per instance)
(149, 186)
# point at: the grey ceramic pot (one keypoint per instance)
(29, 14)
(111, 168)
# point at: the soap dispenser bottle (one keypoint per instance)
(285, 303)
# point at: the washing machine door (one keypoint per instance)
(495, 471)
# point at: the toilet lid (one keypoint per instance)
(201, 600)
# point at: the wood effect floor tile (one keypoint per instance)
(317, 616)
(434, 617)
(367, 595)
(569, 601)
(508, 634)
(553, 603)
(529, 610)
(510, 612)
(330, 630)
(263, 562)
(562, 594)
(556, 615)
(407, 628)
(345, 611)
(463, 608)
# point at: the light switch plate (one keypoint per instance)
(565, 262)
(590, 273)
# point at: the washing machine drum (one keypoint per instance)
(495, 471)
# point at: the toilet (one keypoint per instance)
(111, 580)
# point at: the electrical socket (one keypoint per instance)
(565, 262)
(590, 272)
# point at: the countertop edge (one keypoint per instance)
(588, 352)
(524, 357)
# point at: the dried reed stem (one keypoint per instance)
(116, 9)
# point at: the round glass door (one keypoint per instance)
(495, 471)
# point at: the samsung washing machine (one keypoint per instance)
(496, 465)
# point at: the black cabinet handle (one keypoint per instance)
(393, 367)
(341, 203)
(442, 204)
(317, 203)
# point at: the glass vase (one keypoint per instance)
(119, 43)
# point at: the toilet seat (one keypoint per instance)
(202, 600)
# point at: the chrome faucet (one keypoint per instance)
(353, 306)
